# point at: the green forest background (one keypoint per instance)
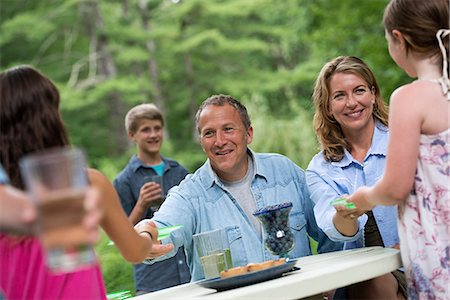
(107, 56)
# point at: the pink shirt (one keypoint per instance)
(23, 274)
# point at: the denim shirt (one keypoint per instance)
(202, 203)
(128, 184)
(3, 178)
(329, 180)
(130, 180)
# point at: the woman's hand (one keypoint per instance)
(344, 212)
(346, 219)
(348, 213)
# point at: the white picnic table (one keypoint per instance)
(318, 273)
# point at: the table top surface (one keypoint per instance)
(317, 274)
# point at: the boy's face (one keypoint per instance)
(148, 137)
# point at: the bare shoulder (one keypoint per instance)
(95, 175)
(98, 179)
(105, 187)
(421, 89)
(423, 101)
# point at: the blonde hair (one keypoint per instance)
(328, 130)
(147, 111)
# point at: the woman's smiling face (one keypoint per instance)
(351, 102)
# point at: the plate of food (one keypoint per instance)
(250, 274)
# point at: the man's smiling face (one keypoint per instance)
(224, 139)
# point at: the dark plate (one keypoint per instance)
(222, 284)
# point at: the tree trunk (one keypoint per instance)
(101, 64)
(152, 64)
(189, 69)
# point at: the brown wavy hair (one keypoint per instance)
(419, 22)
(29, 117)
(328, 130)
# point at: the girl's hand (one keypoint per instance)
(348, 213)
(361, 199)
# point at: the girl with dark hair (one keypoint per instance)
(30, 121)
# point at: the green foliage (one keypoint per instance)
(190, 156)
(17, 26)
(291, 134)
(360, 35)
(117, 273)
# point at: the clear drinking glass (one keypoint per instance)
(213, 249)
(57, 181)
(159, 180)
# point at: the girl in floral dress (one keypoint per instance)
(417, 174)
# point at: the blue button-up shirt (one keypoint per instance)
(202, 203)
(128, 184)
(329, 180)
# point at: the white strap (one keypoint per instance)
(444, 80)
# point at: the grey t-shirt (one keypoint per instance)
(242, 192)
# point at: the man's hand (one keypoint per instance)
(149, 228)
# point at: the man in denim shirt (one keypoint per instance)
(144, 124)
(231, 185)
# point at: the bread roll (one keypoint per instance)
(260, 266)
(234, 272)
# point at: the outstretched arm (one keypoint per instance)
(133, 246)
(405, 121)
(338, 223)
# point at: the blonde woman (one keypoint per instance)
(351, 124)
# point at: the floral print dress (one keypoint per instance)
(424, 222)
